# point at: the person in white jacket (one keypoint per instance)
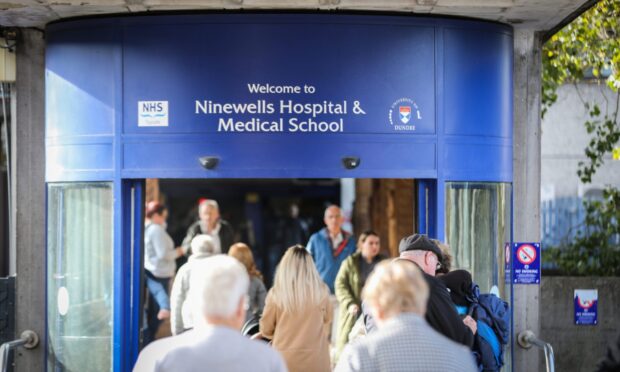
(159, 267)
(181, 315)
(218, 289)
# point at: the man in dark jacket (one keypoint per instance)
(211, 224)
(440, 311)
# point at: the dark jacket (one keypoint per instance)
(440, 314)
(226, 235)
(611, 362)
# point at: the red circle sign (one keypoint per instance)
(526, 254)
(586, 304)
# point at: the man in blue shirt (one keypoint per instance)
(330, 246)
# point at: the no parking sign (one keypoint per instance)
(526, 263)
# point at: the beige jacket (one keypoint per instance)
(302, 337)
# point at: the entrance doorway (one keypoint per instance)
(271, 215)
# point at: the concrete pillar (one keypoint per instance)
(28, 194)
(526, 182)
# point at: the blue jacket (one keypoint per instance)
(320, 248)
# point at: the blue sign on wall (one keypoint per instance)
(526, 263)
(586, 302)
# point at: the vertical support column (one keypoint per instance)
(28, 194)
(526, 176)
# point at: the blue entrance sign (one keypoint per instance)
(274, 95)
(526, 263)
(586, 302)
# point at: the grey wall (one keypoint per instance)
(578, 348)
(28, 194)
(564, 139)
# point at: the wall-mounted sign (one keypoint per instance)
(526, 263)
(301, 78)
(152, 113)
(586, 301)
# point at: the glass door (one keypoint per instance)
(80, 276)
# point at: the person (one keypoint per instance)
(210, 223)
(298, 313)
(181, 316)
(397, 295)
(330, 246)
(491, 314)
(295, 229)
(218, 288)
(159, 267)
(611, 361)
(440, 314)
(288, 230)
(257, 291)
(446, 262)
(350, 280)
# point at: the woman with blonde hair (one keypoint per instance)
(256, 291)
(298, 313)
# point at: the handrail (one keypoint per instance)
(28, 339)
(527, 338)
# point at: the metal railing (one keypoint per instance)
(28, 339)
(527, 338)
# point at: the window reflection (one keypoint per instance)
(477, 228)
(80, 276)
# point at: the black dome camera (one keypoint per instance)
(351, 162)
(209, 162)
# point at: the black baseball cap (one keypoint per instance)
(419, 242)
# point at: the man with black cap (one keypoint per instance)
(440, 311)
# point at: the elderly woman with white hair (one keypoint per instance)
(397, 295)
(180, 316)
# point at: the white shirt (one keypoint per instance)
(214, 348)
(159, 254)
(337, 240)
(215, 235)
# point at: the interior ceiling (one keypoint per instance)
(540, 15)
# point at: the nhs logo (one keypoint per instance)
(152, 113)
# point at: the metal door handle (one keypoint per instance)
(28, 339)
(527, 338)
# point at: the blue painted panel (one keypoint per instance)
(78, 158)
(478, 160)
(478, 83)
(80, 81)
(213, 62)
(243, 158)
(97, 76)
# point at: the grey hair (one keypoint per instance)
(203, 244)
(217, 284)
(209, 203)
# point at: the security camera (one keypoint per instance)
(209, 162)
(350, 162)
